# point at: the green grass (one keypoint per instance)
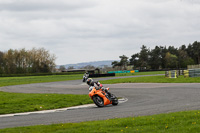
(5, 81)
(179, 122)
(153, 79)
(19, 102)
(139, 73)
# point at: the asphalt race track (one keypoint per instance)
(143, 99)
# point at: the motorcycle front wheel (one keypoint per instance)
(98, 101)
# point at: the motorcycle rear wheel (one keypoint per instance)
(114, 99)
(98, 101)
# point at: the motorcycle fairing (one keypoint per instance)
(101, 94)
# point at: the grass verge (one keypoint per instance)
(153, 79)
(5, 81)
(19, 102)
(179, 122)
(139, 73)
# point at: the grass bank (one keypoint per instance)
(19, 102)
(179, 122)
(153, 79)
(5, 81)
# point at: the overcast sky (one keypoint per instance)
(94, 30)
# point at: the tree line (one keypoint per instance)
(23, 61)
(161, 57)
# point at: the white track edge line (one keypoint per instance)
(57, 110)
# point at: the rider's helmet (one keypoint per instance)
(89, 81)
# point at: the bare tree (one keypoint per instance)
(62, 68)
(23, 61)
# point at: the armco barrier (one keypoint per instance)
(133, 71)
(124, 71)
(101, 75)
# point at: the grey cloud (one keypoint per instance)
(113, 27)
(30, 5)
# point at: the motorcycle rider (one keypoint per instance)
(97, 85)
(85, 76)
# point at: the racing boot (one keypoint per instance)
(109, 94)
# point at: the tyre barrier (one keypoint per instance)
(194, 72)
(171, 74)
(101, 75)
(186, 73)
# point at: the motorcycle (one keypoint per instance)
(101, 98)
(85, 77)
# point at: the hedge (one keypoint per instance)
(39, 74)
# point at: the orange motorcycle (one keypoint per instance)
(101, 98)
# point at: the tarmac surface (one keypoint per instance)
(142, 99)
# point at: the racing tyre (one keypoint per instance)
(98, 101)
(114, 99)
